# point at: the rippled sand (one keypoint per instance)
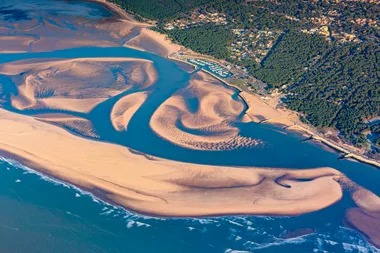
(76, 84)
(164, 187)
(138, 182)
(200, 116)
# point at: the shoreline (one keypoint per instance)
(114, 8)
(164, 187)
(151, 185)
(102, 194)
(290, 127)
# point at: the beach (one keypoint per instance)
(49, 110)
(164, 188)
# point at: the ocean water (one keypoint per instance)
(39, 214)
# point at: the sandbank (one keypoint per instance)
(153, 186)
(125, 108)
(15, 44)
(162, 187)
(366, 216)
(76, 84)
(201, 116)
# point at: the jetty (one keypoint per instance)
(346, 153)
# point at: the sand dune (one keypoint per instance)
(76, 84)
(164, 187)
(125, 108)
(201, 116)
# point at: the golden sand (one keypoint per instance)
(138, 182)
(125, 108)
(164, 187)
(76, 124)
(76, 84)
(209, 127)
(366, 216)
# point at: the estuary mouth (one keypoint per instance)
(95, 100)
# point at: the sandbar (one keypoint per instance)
(76, 84)
(162, 187)
(201, 116)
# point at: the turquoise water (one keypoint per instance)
(43, 215)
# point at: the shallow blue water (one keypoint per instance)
(41, 215)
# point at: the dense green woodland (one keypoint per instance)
(341, 90)
(159, 9)
(332, 84)
(201, 40)
(290, 58)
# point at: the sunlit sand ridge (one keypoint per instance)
(201, 116)
(75, 124)
(153, 186)
(125, 108)
(76, 84)
(164, 187)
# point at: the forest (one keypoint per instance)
(294, 53)
(332, 83)
(341, 90)
(159, 9)
(208, 39)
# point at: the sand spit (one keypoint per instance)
(76, 84)
(165, 187)
(201, 116)
(125, 108)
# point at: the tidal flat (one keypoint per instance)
(89, 99)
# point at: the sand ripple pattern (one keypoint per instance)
(76, 84)
(202, 116)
